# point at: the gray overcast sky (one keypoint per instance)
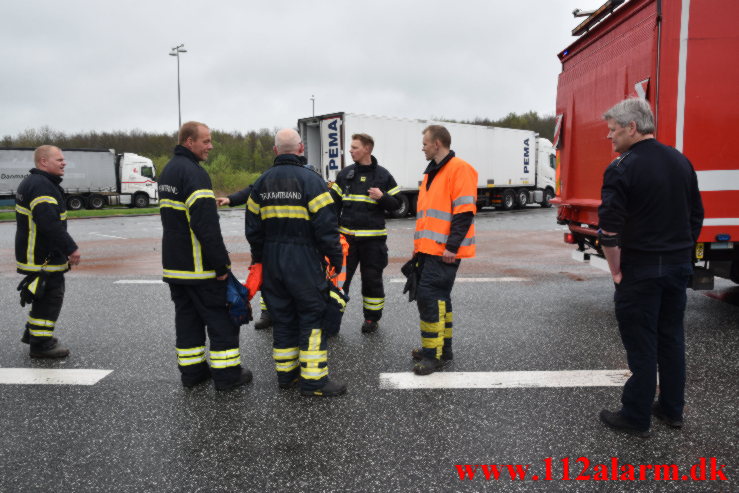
(104, 66)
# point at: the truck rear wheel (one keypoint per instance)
(405, 206)
(75, 203)
(509, 200)
(141, 200)
(548, 196)
(522, 198)
(96, 202)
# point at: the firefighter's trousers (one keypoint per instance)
(296, 290)
(198, 306)
(371, 256)
(45, 312)
(433, 296)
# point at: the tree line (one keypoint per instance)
(237, 158)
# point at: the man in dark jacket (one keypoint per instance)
(43, 244)
(291, 227)
(363, 192)
(650, 218)
(196, 266)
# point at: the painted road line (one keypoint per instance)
(44, 376)
(110, 236)
(505, 379)
(139, 281)
(477, 279)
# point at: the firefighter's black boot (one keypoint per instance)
(264, 322)
(446, 354)
(369, 326)
(427, 366)
(331, 388)
(50, 350)
(243, 379)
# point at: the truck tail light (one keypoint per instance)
(570, 238)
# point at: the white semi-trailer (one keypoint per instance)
(515, 167)
(92, 177)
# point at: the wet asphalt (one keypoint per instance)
(139, 430)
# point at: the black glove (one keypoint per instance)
(32, 288)
(411, 271)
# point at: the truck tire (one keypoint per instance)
(522, 198)
(140, 200)
(509, 200)
(75, 203)
(548, 196)
(95, 202)
(404, 209)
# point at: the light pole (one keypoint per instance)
(313, 101)
(176, 52)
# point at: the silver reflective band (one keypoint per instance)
(435, 213)
(467, 199)
(440, 238)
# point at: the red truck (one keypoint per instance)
(682, 56)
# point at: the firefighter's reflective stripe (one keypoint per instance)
(262, 304)
(41, 199)
(432, 333)
(197, 253)
(40, 328)
(320, 202)
(286, 359)
(363, 233)
(253, 206)
(338, 299)
(393, 191)
(47, 267)
(225, 359)
(199, 194)
(452, 191)
(284, 211)
(190, 356)
(373, 304)
(313, 361)
(448, 326)
(336, 188)
(184, 274)
(359, 198)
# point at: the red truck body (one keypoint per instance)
(683, 57)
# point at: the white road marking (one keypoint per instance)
(505, 379)
(477, 279)
(139, 281)
(110, 236)
(44, 376)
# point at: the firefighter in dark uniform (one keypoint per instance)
(196, 265)
(234, 200)
(445, 233)
(291, 226)
(362, 193)
(650, 217)
(43, 244)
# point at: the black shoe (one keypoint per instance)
(369, 326)
(191, 381)
(288, 384)
(658, 413)
(446, 354)
(331, 388)
(243, 379)
(264, 322)
(54, 351)
(427, 366)
(26, 337)
(615, 421)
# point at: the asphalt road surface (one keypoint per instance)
(537, 356)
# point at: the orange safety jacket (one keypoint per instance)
(340, 278)
(453, 191)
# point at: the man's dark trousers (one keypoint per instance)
(45, 312)
(650, 305)
(371, 255)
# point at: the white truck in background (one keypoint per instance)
(515, 167)
(92, 177)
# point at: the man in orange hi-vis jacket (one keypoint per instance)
(445, 233)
